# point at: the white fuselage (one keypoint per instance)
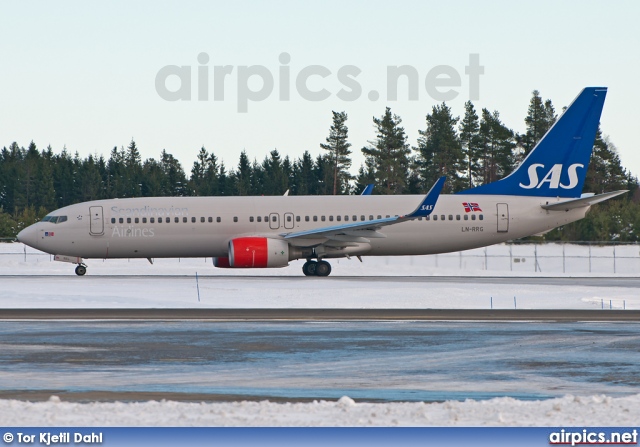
(203, 226)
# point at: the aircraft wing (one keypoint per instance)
(354, 232)
(581, 202)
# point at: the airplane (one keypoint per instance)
(542, 193)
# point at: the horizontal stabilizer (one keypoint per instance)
(582, 202)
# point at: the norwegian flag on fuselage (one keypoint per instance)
(469, 207)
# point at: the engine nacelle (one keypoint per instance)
(221, 263)
(258, 252)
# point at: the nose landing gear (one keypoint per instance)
(81, 269)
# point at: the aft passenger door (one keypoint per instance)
(96, 221)
(503, 218)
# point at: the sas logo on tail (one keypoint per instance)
(552, 177)
(469, 207)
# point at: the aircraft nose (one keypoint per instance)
(29, 236)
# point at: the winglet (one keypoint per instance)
(429, 202)
(367, 190)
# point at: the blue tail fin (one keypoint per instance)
(557, 166)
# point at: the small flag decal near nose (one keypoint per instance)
(470, 207)
(48, 233)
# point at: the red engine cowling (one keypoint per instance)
(258, 252)
(221, 263)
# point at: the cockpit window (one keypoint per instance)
(55, 219)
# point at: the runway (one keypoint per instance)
(591, 281)
(328, 315)
(371, 361)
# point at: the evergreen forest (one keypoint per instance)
(471, 149)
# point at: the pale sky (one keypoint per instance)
(83, 74)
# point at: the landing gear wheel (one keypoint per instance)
(323, 268)
(309, 268)
(81, 270)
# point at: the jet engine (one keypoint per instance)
(258, 252)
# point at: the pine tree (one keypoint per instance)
(133, 170)
(497, 144)
(470, 141)
(389, 154)
(605, 172)
(303, 175)
(276, 181)
(540, 117)
(242, 177)
(366, 176)
(339, 152)
(174, 181)
(440, 151)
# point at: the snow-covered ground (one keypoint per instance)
(228, 288)
(566, 411)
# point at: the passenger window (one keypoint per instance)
(289, 218)
(362, 217)
(441, 216)
(322, 218)
(297, 218)
(306, 218)
(152, 219)
(266, 219)
(379, 216)
(457, 216)
(176, 220)
(346, 218)
(330, 218)
(121, 220)
(388, 216)
(435, 217)
(210, 219)
(466, 217)
(235, 218)
(251, 219)
(338, 218)
(184, 220)
(144, 220)
(137, 220)
(218, 219)
(113, 220)
(159, 219)
(370, 217)
(419, 218)
(315, 218)
(355, 218)
(473, 217)
(450, 216)
(274, 218)
(427, 218)
(481, 217)
(259, 218)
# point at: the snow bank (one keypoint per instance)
(568, 410)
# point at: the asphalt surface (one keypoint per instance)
(592, 281)
(319, 315)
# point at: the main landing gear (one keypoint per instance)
(81, 269)
(316, 268)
